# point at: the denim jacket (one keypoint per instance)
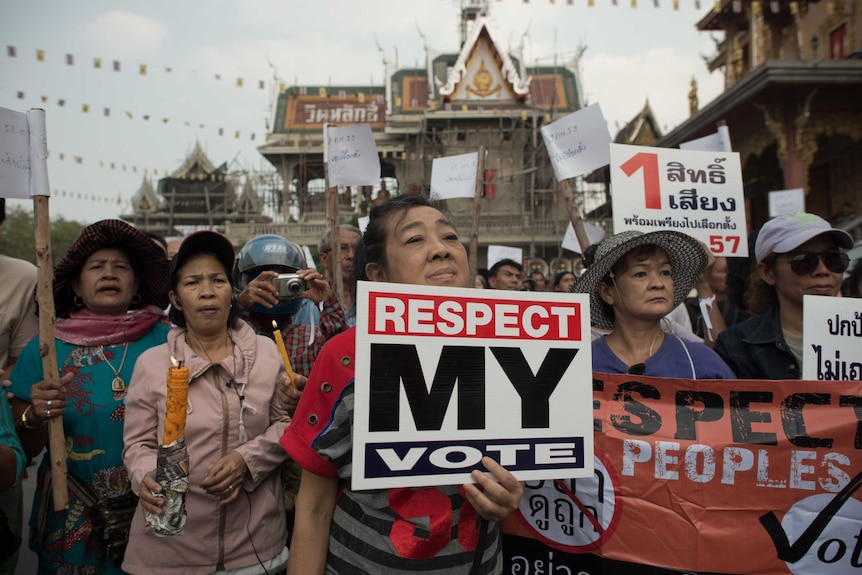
(755, 349)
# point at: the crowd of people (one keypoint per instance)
(269, 441)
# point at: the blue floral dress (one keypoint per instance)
(93, 427)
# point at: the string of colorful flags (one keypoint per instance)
(107, 165)
(117, 66)
(775, 6)
(109, 112)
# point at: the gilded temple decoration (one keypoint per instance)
(482, 83)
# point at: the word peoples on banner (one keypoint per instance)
(725, 476)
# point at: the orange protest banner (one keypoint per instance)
(734, 476)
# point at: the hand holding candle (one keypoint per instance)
(172, 460)
(177, 403)
(279, 342)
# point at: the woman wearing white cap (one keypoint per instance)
(635, 280)
(796, 255)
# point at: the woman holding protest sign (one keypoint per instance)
(797, 254)
(339, 530)
(635, 280)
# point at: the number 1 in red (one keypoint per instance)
(652, 187)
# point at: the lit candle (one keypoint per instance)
(177, 403)
(279, 342)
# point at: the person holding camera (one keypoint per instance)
(276, 285)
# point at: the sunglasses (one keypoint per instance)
(804, 264)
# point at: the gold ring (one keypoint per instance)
(49, 404)
(259, 290)
(230, 487)
(48, 413)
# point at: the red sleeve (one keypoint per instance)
(332, 372)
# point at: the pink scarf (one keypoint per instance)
(87, 328)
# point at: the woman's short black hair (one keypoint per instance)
(559, 277)
(374, 238)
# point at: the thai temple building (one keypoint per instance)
(792, 103)
(792, 99)
(481, 94)
(196, 195)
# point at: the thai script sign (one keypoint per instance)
(731, 476)
(23, 154)
(445, 376)
(351, 154)
(578, 143)
(831, 338)
(312, 112)
(454, 176)
(697, 193)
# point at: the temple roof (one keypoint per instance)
(479, 31)
(145, 199)
(641, 130)
(249, 201)
(195, 166)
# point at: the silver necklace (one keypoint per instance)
(118, 386)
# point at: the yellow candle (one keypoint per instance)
(279, 342)
(177, 403)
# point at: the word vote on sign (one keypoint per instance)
(445, 376)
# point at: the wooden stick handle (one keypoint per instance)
(474, 229)
(47, 347)
(575, 216)
(334, 234)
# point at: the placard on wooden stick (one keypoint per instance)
(25, 143)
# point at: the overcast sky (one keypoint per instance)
(632, 54)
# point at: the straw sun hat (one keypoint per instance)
(687, 260)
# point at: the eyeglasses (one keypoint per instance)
(804, 264)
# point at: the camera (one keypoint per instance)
(289, 285)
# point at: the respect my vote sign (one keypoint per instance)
(445, 376)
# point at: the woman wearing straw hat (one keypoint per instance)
(109, 291)
(635, 280)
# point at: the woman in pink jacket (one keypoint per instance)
(235, 521)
